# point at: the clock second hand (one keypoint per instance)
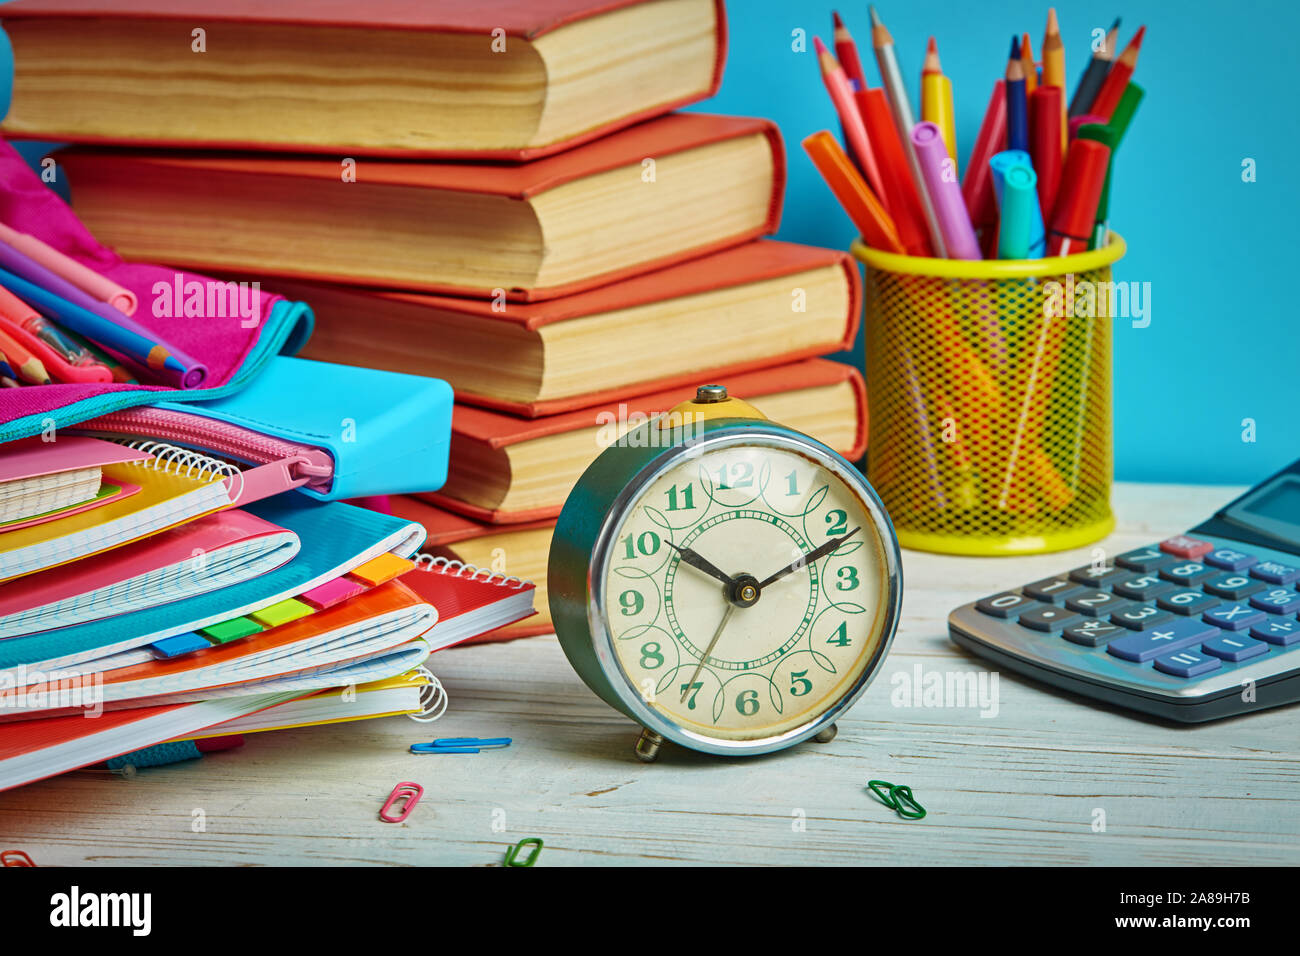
(709, 650)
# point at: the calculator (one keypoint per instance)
(1198, 627)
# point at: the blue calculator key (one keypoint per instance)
(1096, 603)
(1053, 590)
(1144, 559)
(1235, 647)
(1142, 587)
(1162, 639)
(1187, 664)
(1277, 601)
(1275, 573)
(1188, 573)
(1048, 618)
(1093, 633)
(1282, 631)
(1007, 604)
(1234, 587)
(1230, 560)
(1187, 601)
(1097, 575)
(1234, 617)
(1140, 616)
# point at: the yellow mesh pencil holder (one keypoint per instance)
(990, 397)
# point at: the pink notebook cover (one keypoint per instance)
(174, 546)
(33, 457)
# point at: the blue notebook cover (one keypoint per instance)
(335, 537)
(388, 433)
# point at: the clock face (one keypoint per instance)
(745, 659)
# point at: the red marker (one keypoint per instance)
(1075, 212)
(1045, 138)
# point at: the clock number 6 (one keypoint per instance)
(747, 703)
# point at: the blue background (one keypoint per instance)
(1224, 340)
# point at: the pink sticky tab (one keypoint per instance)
(331, 593)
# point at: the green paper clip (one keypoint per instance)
(898, 798)
(513, 853)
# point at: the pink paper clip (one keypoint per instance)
(15, 858)
(411, 791)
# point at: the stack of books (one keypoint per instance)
(495, 194)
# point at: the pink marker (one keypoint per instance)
(945, 192)
(70, 270)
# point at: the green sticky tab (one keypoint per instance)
(282, 613)
(231, 630)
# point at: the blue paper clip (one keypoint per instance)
(460, 745)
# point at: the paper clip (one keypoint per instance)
(411, 791)
(460, 745)
(898, 798)
(512, 854)
(15, 858)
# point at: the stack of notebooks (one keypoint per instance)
(167, 594)
(493, 193)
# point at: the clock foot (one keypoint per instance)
(826, 734)
(647, 746)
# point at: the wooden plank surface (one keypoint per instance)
(1023, 786)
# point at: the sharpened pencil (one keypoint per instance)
(1116, 83)
(1095, 75)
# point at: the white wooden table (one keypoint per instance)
(1022, 787)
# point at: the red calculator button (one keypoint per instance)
(1185, 547)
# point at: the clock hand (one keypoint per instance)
(700, 563)
(814, 555)
(726, 616)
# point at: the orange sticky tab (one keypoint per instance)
(379, 570)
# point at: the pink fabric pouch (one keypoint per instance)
(233, 348)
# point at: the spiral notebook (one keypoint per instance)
(41, 480)
(470, 601)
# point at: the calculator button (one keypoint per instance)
(1276, 601)
(1182, 546)
(1230, 560)
(1234, 587)
(1093, 633)
(1007, 604)
(1162, 639)
(1097, 576)
(1282, 631)
(1142, 587)
(1188, 573)
(1275, 573)
(1234, 617)
(1144, 559)
(1235, 647)
(1136, 618)
(1053, 590)
(1187, 601)
(1187, 664)
(1096, 603)
(1048, 618)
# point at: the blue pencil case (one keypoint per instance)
(336, 431)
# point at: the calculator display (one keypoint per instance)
(1272, 509)
(1280, 502)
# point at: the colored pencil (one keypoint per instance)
(1027, 62)
(901, 196)
(977, 186)
(892, 77)
(846, 51)
(837, 85)
(936, 100)
(875, 224)
(1095, 75)
(1054, 67)
(1017, 104)
(1117, 79)
(19, 358)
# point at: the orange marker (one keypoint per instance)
(1117, 79)
(1027, 60)
(837, 84)
(877, 228)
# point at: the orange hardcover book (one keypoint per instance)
(506, 470)
(645, 197)
(790, 301)
(501, 79)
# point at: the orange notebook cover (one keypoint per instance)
(496, 430)
(739, 265)
(656, 138)
(527, 19)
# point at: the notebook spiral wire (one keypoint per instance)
(433, 697)
(173, 459)
(427, 562)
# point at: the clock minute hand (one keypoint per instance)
(700, 563)
(814, 555)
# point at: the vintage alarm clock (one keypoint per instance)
(730, 584)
